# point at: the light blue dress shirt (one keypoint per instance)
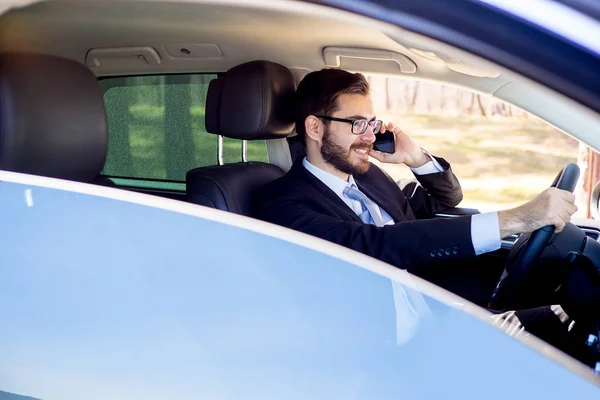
(485, 230)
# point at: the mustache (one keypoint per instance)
(360, 146)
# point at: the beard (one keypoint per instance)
(340, 158)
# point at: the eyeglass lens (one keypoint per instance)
(360, 126)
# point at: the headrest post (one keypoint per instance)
(244, 150)
(220, 150)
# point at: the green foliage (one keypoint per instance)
(500, 162)
(150, 131)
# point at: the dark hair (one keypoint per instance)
(318, 92)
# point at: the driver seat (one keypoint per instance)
(252, 102)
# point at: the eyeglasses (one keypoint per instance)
(359, 126)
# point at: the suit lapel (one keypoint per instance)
(304, 175)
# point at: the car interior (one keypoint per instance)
(57, 59)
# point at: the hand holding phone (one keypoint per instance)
(392, 139)
(385, 142)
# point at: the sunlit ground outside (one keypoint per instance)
(500, 162)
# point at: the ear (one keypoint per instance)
(313, 128)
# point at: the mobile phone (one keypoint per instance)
(385, 142)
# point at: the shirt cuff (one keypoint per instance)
(485, 232)
(432, 167)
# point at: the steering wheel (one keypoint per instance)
(513, 280)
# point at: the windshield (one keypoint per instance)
(108, 299)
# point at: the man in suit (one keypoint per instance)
(335, 193)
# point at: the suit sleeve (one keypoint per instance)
(408, 245)
(434, 192)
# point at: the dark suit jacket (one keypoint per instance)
(300, 201)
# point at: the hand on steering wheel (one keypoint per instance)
(511, 281)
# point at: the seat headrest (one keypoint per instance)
(52, 118)
(253, 101)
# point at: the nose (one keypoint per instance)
(368, 136)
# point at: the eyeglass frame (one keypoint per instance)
(352, 121)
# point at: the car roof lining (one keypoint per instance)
(291, 37)
(291, 33)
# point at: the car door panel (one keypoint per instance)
(109, 296)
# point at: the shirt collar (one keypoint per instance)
(333, 182)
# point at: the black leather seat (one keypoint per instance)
(52, 118)
(230, 187)
(252, 102)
